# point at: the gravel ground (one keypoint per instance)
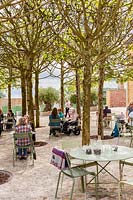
(39, 182)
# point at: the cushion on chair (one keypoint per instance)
(58, 158)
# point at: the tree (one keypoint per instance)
(48, 96)
(77, 25)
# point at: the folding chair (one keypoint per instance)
(9, 123)
(31, 148)
(61, 160)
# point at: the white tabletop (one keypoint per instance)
(106, 155)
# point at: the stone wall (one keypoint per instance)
(116, 98)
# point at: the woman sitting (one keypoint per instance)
(22, 127)
(28, 122)
(54, 122)
(61, 114)
(10, 120)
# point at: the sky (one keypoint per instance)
(55, 83)
(45, 83)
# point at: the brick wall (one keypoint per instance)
(116, 98)
(15, 102)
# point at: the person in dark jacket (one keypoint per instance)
(106, 116)
(1, 121)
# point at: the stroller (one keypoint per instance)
(69, 127)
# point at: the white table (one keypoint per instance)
(107, 155)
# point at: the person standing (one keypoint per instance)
(67, 107)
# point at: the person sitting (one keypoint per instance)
(61, 114)
(27, 121)
(106, 116)
(121, 120)
(10, 120)
(54, 122)
(22, 127)
(73, 118)
(1, 121)
(128, 111)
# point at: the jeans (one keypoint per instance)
(20, 151)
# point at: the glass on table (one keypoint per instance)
(107, 148)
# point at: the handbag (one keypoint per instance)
(34, 155)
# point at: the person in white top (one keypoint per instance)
(67, 105)
(73, 114)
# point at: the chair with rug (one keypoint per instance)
(61, 160)
(23, 136)
(68, 145)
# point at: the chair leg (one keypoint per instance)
(119, 191)
(57, 185)
(96, 187)
(72, 189)
(121, 165)
(14, 157)
(82, 184)
(97, 179)
(62, 182)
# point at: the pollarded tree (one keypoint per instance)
(26, 32)
(48, 96)
(77, 25)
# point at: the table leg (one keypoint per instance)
(103, 168)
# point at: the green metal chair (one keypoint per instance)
(121, 187)
(31, 147)
(73, 173)
(128, 162)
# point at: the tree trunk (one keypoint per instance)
(100, 100)
(48, 107)
(23, 92)
(36, 98)
(9, 90)
(29, 88)
(78, 99)
(62, 87)
(9, 96)
(86, 106)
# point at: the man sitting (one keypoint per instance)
(106, 116)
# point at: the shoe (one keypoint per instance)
(24, 157)
(20, 157)
(56, 135)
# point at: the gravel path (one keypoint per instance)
(39, 182)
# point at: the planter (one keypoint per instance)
(45, 113)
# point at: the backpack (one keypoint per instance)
(115, 132)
